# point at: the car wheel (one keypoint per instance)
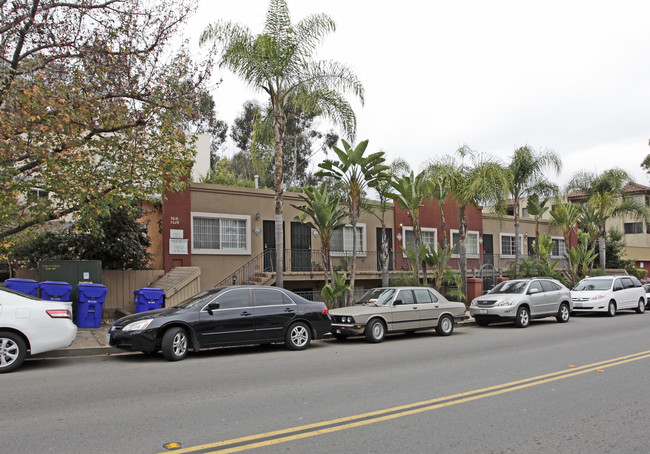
(480, 321)
(298, 336)
(375, 331)
(12, 351)
(522, 320)
(640, 309)
(563, 314)
(445, 326)
(611, 309)
(174, 344)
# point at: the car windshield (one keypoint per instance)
(510, 287)
(593, 285)
(377, 296)
(200, 299)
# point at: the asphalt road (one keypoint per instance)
(580, 387)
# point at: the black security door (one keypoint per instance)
(488, 249)
(268, 235)
(300, 247)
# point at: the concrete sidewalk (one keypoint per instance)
(93, 341)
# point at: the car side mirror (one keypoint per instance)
(532, 291)
(397, 302)
(212, 307)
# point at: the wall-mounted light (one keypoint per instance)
(399, 237)
(257, 230)
(315, 233)
(257, 216)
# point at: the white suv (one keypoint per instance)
(608, 294)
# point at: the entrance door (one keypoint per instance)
(488, 249)
(300, 247)
(268, 235)
(389, 234)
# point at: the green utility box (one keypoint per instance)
(71, 271)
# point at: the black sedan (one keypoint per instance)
(224, 316)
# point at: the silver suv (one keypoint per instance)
(521, 300)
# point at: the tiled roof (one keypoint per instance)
(631, 188)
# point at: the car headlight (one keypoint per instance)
(138, 326)
(347, 320)
(474, 302)
(597, 297)
(507, 302)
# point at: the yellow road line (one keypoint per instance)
(406, 410)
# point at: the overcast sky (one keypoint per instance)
(572, 75)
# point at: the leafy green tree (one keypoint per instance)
(565, 216)
(437, 260)
(606, 198)
(581, 258)
(527, 176)
(537, 208)
(93, 100)
(322, 212)
(332, 293)
(357, 172)
(121, 242)
(438, 186)
(411, 191)
(279, 62)
(482, 180)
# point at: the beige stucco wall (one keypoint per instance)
(257, 205)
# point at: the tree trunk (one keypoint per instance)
(385, 258)
(517, 242)
(279, 124)
(462, 231)
(601, 247)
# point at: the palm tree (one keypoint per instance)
(440, 173)
(279, 62)
(527, 176)
(411, 192)
(482, 180)
(565, 216)
(357, 173)
(537, 209)
(322, 213)
(606, 198)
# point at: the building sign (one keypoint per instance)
(178, 246)
(175, 233)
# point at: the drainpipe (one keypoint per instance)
(257, 181)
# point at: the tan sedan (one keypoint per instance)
(397, 309)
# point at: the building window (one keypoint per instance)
(471, 246)
(214, 233)
(342, 240)
(633, 227)
(508, 245)
(524, 213)
(559, 248)
(427, 236)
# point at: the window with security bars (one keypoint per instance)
(427, 236)
(508, 245)
(559, 248)
(342, 239)
(471, 245)
(219, 233)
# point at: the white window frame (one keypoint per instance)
(456, 253)
(423, 229)
(510, 235)
(558, 238)
(362, 252)
(245, 251)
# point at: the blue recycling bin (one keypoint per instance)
(90, 305)
(55, 291)
(28, 286)
(148, 299)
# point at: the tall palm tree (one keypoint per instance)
(537, 208)
(606, 198)
(322, 212)
(279, 62)
(527, 176)
(411, 192)
(440, 173)
(357, 173)
(481, 180)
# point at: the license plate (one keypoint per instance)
(483, 311)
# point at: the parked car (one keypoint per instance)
(224, 316)
(609, 294)
(29, 325)
(521, 300)
(396, 309)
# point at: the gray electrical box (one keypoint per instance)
(71, 271)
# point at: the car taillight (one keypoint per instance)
(325, 310)
(59, 313)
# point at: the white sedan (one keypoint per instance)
(29, 324)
